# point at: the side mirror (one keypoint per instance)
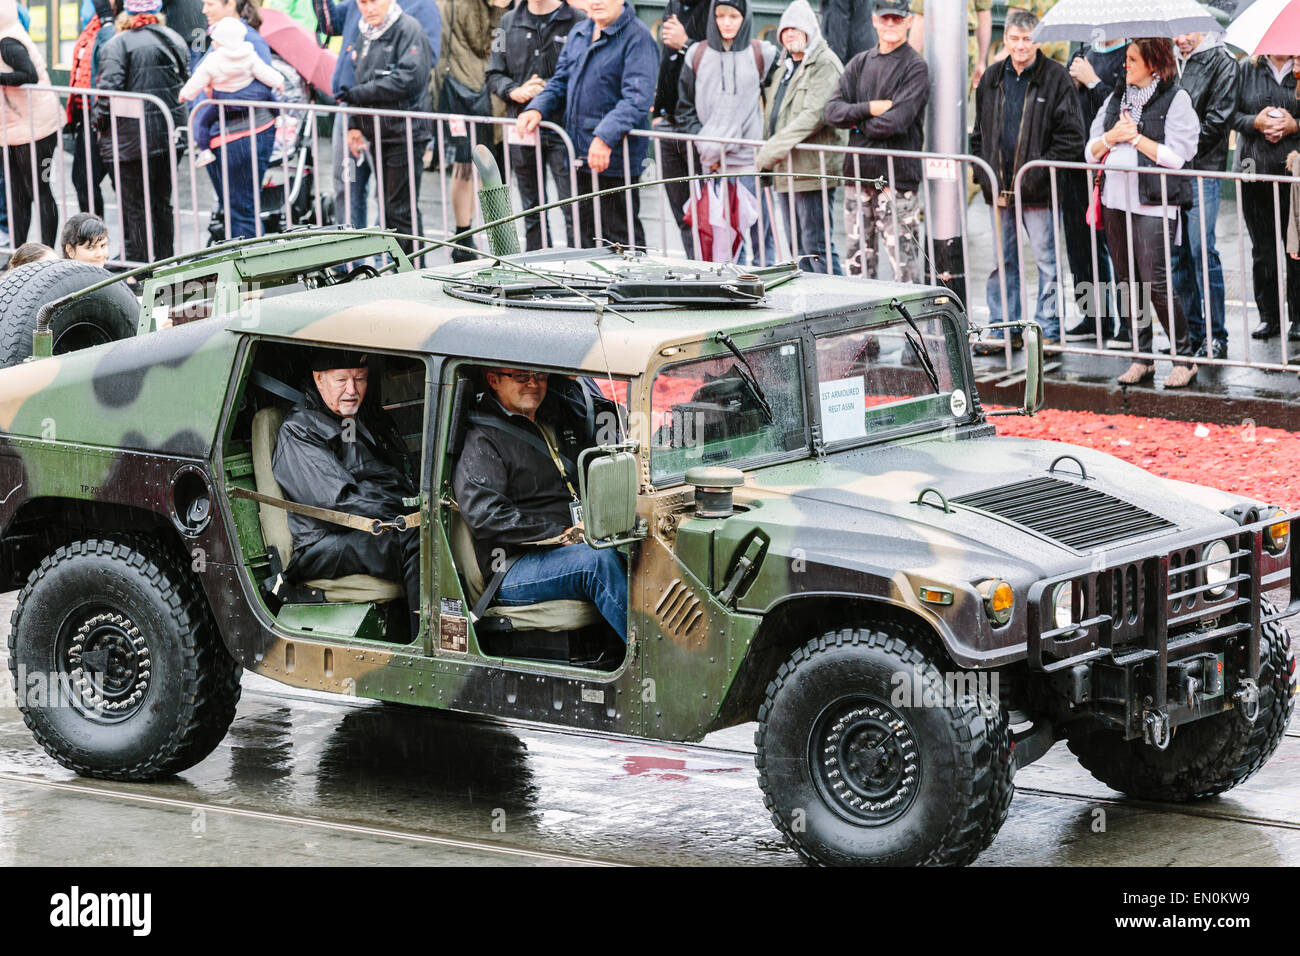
(608, 491)
(1033, 368)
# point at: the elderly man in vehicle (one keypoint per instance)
(516, 483)
(340, 452)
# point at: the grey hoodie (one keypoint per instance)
(724, 97)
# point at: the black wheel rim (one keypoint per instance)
(103, 660)
(865, 760)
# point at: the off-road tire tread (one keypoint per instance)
(211, 686)
(988, 782)
(1132, 767)
(22, 295)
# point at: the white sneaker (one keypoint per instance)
(204, 157)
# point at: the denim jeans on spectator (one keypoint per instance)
(751, 254)
(577, 572)
(1189, 274)
(810, 228)
(1038, 228)
(238, 159)
(351, 196)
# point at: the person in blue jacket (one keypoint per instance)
(603, 87)
(343, 19)
(238, 138)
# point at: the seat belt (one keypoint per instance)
(276, 387)
(490, 591)
(355, 522)
(527, 437)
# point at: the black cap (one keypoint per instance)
(323, 360)
(737, 4)
(900, 8)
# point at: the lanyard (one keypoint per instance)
(555, 457)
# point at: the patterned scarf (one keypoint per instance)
(374, 33)
(1135, 99)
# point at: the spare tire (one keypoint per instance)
(107, 315)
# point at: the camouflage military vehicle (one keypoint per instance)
(824, 535)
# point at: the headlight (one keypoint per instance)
(1276, 534)
(999, 598)
(1063, 604)
(1217, 574)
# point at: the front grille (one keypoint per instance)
(1072, 514)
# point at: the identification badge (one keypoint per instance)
(457, 127)
(575, 513)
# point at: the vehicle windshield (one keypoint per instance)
(708, 412)
(873, 381)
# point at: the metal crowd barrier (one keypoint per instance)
(123, 105)
(445, 128)
(1134, 293)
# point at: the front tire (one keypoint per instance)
(116, 662)
(1206, 757)
(853, 776)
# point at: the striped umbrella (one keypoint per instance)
(1267, 26)
(1096, 21)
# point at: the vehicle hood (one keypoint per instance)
(857, 508)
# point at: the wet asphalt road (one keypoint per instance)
(306, 779)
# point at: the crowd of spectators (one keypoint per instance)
(849, 74)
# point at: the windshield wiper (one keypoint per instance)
(748, 377)
(918, 345)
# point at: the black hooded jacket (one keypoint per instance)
(508, 488)
(365, 472)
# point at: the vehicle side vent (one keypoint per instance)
(1071, 513)
(678, 611)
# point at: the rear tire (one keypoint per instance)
(851, 778)
(110, 314)
(1206, 757)
(117, 664)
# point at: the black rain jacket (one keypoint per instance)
(314, 464)
(1256, 90)
(148, 59)
(1210, 79)
(508, 489)
(1051, 127)
(392, 73)
(519, 50)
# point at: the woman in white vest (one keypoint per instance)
(30, 121)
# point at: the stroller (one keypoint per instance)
(288, 193)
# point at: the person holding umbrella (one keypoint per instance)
(1148, 122)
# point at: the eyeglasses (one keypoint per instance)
(524, 378)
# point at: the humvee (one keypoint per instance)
(824, 536)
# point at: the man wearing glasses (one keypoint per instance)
(516, 483)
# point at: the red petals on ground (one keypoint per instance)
(1257, 462)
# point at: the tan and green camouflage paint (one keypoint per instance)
(128, 415)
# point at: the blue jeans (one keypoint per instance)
(810, 225)
(576, 572)
(1188, 267)
(750, 253)
(1038, 226)
(236, 157)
